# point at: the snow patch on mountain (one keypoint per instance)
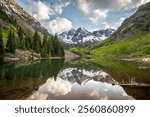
(83, 36)
(90, 38)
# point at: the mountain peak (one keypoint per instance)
(72, 29)
(81, 29)
(83, 36)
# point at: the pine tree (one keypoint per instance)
(49, 47)
(2, 50)
(11, 45)
(44, 40)
(28, 42)
(56, 46)
(37, 42)
(21, 43)
(44, 51)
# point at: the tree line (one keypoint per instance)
(48, 46)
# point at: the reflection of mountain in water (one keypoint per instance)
(80, 83)
(83, 75)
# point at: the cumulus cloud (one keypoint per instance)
(106, 25)
(83, 5)
(97, 15)
(38, 9)
(59, 7)
(59, 25)
(41, 11)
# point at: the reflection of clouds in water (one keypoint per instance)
(68, 86)
(62, 89)
(108, 91)
(59, 87)
(94, 93)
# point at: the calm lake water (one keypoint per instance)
(79, 79)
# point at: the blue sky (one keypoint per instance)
(61, 15)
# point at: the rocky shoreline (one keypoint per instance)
(21, 55)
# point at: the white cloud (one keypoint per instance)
(41, 11)
(38, 10)
(59, 25)
(83, 5)
(59, 7)
(119, 22)
(106, 25)
(98, 15)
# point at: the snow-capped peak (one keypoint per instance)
(83, 36)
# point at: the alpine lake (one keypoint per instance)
(79, 79)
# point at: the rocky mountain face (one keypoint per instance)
(139, 23)
(83, 36)
(104, 33)
(25, 20)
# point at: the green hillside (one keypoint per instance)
(124, 48)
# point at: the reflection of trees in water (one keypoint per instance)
(45, 68)
(123, 70)
(28, 75)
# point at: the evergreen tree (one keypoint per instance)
(11, 45)
(21, 43)
(28, 42)
(49, 47)
(44, 40)
(37, 42)
(44, 51)
(2, 50)
(56, 46)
